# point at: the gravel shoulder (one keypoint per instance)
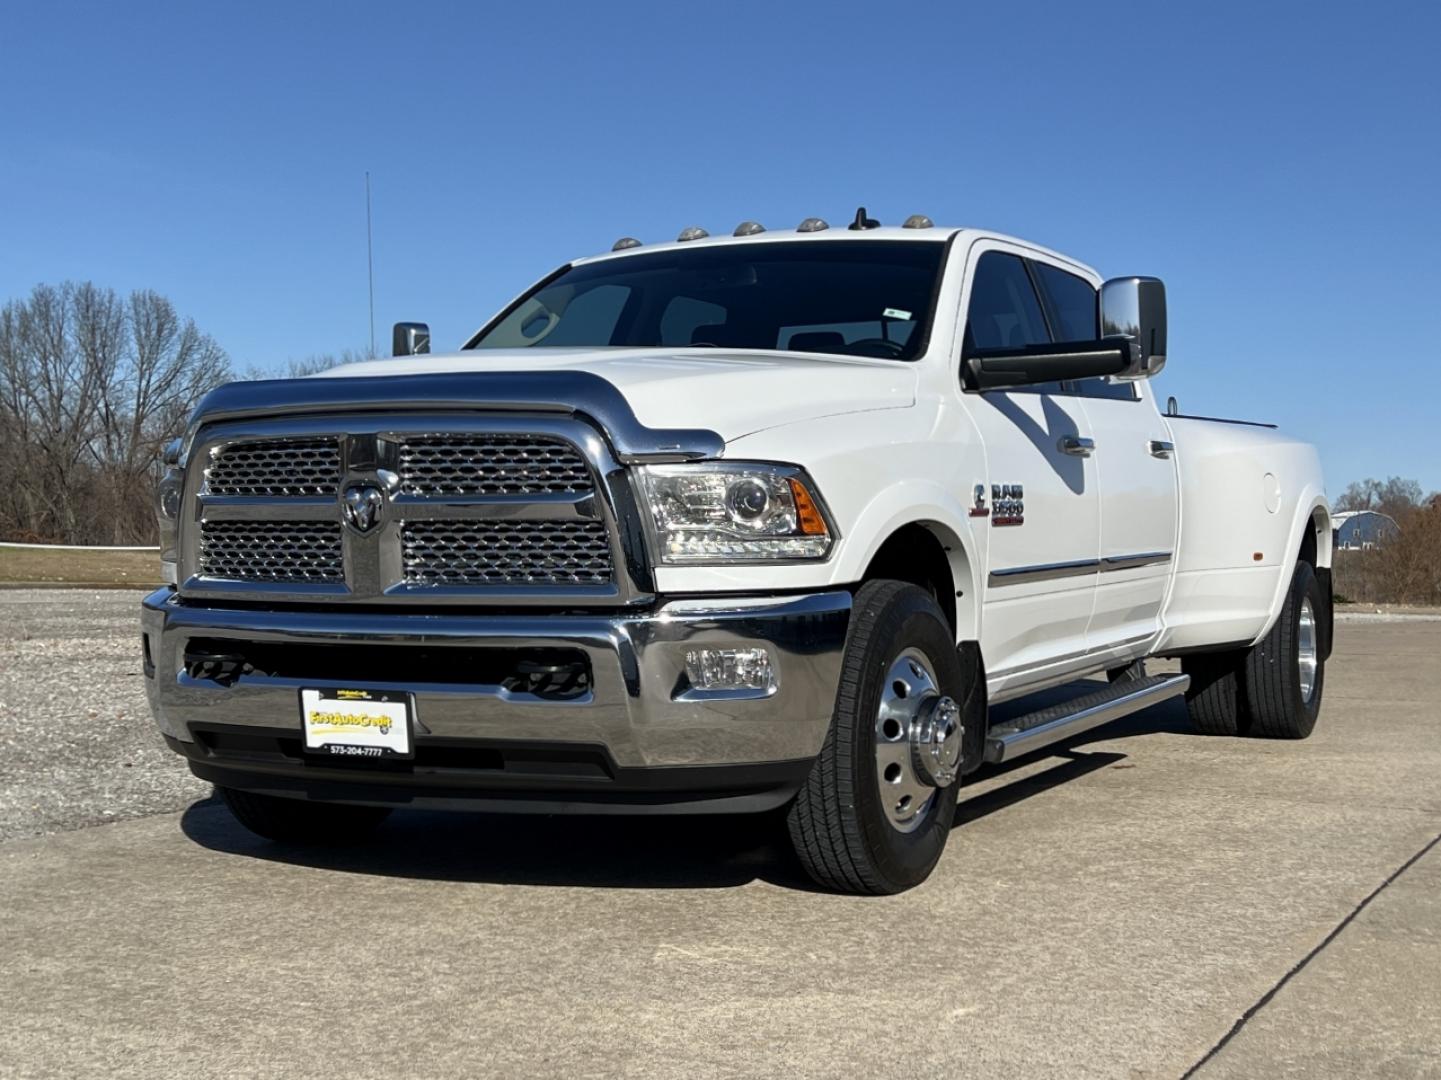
(77, 745)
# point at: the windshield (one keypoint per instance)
(856, 298)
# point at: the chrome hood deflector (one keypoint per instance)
(563, 392)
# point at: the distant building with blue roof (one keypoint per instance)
(1361, 530)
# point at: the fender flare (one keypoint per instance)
(1311, 500)
(928, 504)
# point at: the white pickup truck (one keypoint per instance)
(767, 521)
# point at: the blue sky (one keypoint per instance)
(1277, 164)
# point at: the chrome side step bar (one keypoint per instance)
(1049, 725)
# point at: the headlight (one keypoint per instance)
(723, 512)
(168, 497)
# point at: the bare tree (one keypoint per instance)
(91, 386)
(1396, 497)
(309, 365)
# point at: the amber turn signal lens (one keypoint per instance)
(808, 516)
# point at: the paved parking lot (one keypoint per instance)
(1141, 903)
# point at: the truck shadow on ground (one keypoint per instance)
(702, 852)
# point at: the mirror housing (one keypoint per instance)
(410, 339)
(1135, 308)
(997, 369)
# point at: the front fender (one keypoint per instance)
(925, 503)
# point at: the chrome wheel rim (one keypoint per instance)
(1306, 651)
(918, 736)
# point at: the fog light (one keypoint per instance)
(730, 669)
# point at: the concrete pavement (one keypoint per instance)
(1110, 910)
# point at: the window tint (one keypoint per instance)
(1004, 311)
(834, 337)
(1073, 303)
(856, 297)
(1104, 388)
(684, 316)
(590, 316)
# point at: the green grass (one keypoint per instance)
(69, 566)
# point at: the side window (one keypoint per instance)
(1073, 303)
(1075, 313)
(1004, 312)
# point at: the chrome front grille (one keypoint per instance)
(424, 508)
(440, 465)
(272, 551)
(276, 469)
(505, 553)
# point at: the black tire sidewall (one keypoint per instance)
(911, 620)
(1273, 675)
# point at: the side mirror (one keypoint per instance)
(1135, 308)
(410, 339)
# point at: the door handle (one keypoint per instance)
(1077, 446)
(1161, 448)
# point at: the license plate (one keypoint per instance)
(357, 723)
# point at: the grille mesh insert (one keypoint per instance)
(506, 553)
(285, 468)
(281, 551)
(439, 465)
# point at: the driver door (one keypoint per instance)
(1038, 504)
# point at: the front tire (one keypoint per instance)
(300, 821)
(875, 813)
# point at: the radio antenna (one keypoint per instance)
(370, 263)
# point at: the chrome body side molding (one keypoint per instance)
(1130, 562)
(1043, 572)
(1079, 567)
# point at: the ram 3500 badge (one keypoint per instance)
(756, 522)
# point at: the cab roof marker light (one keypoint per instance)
(624, 243)
(918, 221)
(812, 224)
(693, 232)
(749, 228)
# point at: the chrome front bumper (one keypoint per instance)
(639, 709)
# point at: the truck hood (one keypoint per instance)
(730, 392)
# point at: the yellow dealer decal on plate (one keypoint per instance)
(365, 723)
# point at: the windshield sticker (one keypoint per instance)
(895, 313)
